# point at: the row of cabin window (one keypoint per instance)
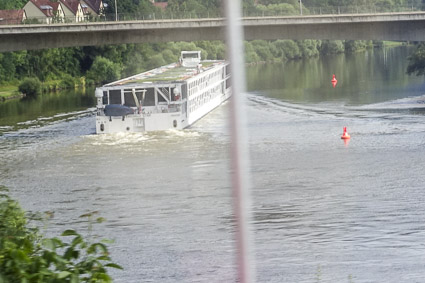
(115, 97)
(205, 97)
(204, 81)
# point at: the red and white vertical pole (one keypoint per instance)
(239, 143)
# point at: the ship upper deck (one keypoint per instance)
(165, 74)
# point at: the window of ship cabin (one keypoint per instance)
(184, 91)
(165, 91)
(139, 94)
(105, 98)
(149, 97)
(190, 55)
(129, 98)
(228, 83)
(227, 70)
(115, 96)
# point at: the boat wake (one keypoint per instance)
(42, 121)
(394, 109)
(407, 103)
(131, 139)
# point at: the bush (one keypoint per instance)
(103, 70)
(332, 47)
(68, 82)
(25, 256)
(30, 87)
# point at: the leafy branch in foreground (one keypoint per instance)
(26, 256)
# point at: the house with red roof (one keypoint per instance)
(94, 7)
(12, 17)
(44, 11)
(74, 11)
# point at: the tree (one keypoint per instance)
(131, 7)
(332, 47)
(103, 70)
(31, 87)
(12, 4)
(417, 61)
(156, 61)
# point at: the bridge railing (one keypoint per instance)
(325, 10)
(361, 9)
(260, 11)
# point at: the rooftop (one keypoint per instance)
(166, 74)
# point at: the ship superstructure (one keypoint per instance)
(170, 97)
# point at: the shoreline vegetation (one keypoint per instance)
(26, 255)
(136, 58)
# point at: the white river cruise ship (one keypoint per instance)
(170, 97)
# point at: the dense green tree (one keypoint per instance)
(169, 56)
(354, 45)
(278, 9)
(309, 48)
(155, 61)
(103, 70)
(287, 49)
(30, 87)
(130, 7)
(196, 6)
(332, 47)
(12, 4)
(215, 49)
(417, 61)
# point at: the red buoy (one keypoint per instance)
(334, 81)
(345, 135)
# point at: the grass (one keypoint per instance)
(393, 43)
(8, 91)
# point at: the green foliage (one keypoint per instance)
(68, 82)
(278, 9)
(103, 70)
(169, 56)
(195, 6)
(351, 46)
(30, 87)
(156, 61)
(12, 4)
(25, 256)
(250, 54)
(417, 61)
(287, 49)
(130, 7)
(332, 47)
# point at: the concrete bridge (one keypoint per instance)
(407, 26)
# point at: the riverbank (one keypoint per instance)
(11, 90)
(256, 52)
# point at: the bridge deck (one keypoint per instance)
(406, 26)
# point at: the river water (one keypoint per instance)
(323, 210)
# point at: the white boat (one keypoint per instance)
(170, 97)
